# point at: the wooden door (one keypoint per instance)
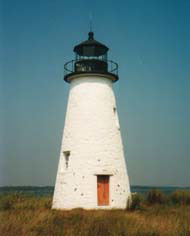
(103, 190)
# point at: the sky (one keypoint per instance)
(149, 39)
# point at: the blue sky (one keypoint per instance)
(150, 41)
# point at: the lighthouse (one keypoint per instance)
(92, 171)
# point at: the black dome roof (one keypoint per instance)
(90, 47)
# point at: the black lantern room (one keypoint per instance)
(91, 58)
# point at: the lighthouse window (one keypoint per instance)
(66, 155)
(116, 117)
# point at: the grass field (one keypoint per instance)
(157, 214)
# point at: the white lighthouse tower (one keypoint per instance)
(92, 171)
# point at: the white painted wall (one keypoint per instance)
(92, 135)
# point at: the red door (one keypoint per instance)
(103, 190)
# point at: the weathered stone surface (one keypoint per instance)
(92, 137)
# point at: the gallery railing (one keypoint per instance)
(70, 67)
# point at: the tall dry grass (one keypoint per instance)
(22, 215)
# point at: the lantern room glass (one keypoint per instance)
(102, 57)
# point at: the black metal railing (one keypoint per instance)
(70, 67)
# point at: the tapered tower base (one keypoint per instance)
(92, 172)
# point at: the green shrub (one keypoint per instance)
(155, 196)
(136, 201)
(47, 203)
(23, 201)
(6, 204)
(7, 201)
(180, 197)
